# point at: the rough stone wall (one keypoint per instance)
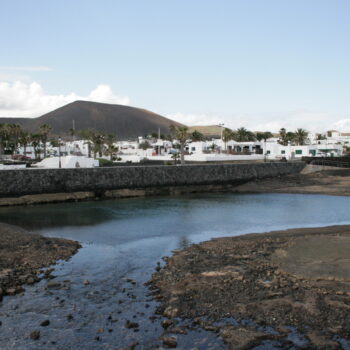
(38, 181)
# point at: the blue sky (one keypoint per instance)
(259, 63)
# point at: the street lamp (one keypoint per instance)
(222, 129)
(59, 152)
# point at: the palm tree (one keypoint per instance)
(227, 135)
(5, 136)
(72, 133)
(300, 136)
(283, 137)
(244, 135)
(260, 136)
(44, 131)
(24, 141)
(181, 134)
(197, 136)
(111, 148)
(98, 142)
(87, 135)
(36, 139)
(15, 132)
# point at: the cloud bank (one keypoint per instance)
(309, 120)
(20, 99)
(28, 99)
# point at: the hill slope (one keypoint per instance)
(123, 121)
(207, 130)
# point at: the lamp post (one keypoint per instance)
(222, 129)
(59, 153)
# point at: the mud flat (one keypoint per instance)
(258, 288)
(312, 180)
(24, 254)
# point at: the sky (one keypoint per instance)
(261, 64)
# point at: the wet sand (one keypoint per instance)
(23, 255)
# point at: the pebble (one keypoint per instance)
(35, 335)
(170, 342)
(129, 324)
(45, 323)
(53, 284)
(167, 323)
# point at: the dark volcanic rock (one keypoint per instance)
(22, 254)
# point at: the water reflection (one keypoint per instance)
(124, 239)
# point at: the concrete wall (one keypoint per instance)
(38, 181)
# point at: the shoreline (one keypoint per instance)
(24, 257)
(256, 277)
(328, 181)
(293, 278)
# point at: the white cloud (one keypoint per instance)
(195, 119)
(309, 120)
(20, 99)
(341, 125)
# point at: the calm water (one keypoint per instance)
(124, 239)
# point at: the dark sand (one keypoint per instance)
(298, 277)
(24, 254)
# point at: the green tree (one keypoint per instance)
(300, 136)
(87, 136)
(227, 135)
(263, 136)
(44, 131)
(180, 133)
(111, 149)
(244, 135)
(24, 141)
(36, 140)
(196, 136)
(98, 140)
(145, 145)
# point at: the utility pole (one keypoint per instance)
(59, 153)
(222, 129)
(73, 129)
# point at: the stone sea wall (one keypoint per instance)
(16, 183)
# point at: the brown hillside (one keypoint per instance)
(207, 130)
(123, 121)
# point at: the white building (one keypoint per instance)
(323, 148)
(68, 162)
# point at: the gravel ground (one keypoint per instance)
(23, 255)
(263, 284)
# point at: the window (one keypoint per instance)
(298, 151)
(283, 152)
(193, 149)
(268, 152)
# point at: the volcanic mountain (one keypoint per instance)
(123, 121)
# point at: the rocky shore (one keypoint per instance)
(23, 255)
(312, 180)
(258, 288)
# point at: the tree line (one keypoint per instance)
(12, 137)
(181, 134)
